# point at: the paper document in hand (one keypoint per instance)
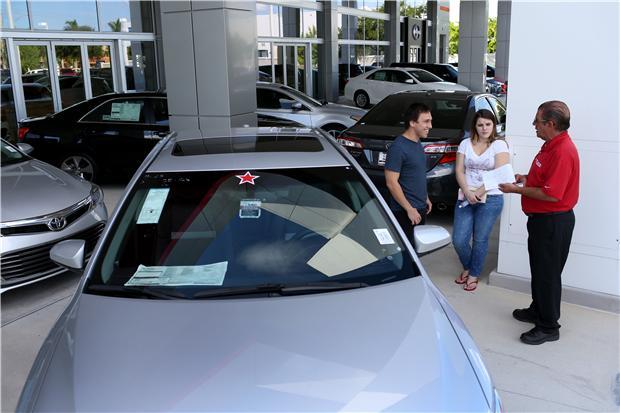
(502, 175)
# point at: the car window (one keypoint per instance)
(482, 103)
(424, 76)
(118, 110)
(36, 92)
(160, 111)
(448, 112)
(380, 75)
(10, 154)
(498, 108)
(396, 76)
(272, 99)
(197, 231)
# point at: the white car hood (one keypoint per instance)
(384, 348)
(445, 86)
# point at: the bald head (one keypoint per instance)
(556, 111)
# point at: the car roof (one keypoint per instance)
(440, 93)
(248, 149)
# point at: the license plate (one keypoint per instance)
(382, 158)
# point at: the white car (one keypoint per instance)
(373, 86)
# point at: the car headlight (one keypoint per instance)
(96, 195)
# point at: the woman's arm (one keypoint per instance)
(462, 180)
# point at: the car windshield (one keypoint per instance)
(302, 96)
(200, 234)
(424, 76)
(11, 155)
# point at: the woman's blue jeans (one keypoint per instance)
(472, 227)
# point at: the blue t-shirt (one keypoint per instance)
(407, 157)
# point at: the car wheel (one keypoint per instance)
(333, 129)
(80, 164)
(361, 99)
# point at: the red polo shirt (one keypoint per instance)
(556, 170)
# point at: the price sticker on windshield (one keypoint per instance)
(382, 158)
(249, 208)
(383, 236)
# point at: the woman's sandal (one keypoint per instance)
(471, 284)
(462, 278)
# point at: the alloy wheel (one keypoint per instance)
(79, 165)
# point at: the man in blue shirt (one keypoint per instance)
(405, 170)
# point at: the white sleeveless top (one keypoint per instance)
(476, 164)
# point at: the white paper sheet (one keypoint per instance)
(210, 274)
(153, 205)
(502, 175)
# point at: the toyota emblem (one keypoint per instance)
(57, 223)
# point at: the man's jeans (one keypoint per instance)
(476, 220)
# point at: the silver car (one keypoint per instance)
(40, 206)
(285, 102)
(256, 271)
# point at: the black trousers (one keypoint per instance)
(405, 222)
(548, 245)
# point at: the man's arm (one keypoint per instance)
(391, 180)
(530, 192)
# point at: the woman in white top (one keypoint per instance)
(477, 209)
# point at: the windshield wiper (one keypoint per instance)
(135, 292)
(279, 289)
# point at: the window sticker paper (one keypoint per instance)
(153, 205)
(249, 208)
(124, 111)
(383, 236)
(209, 274)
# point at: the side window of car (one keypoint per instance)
(160, 111)
(396, 76)
(286, 102)
(380, 75)
(500, 110)
(266, 99)
(482, 103)
(117, 110)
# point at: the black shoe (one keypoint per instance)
(525, 315)
(538, 336)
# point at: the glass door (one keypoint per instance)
(292, 66)
(101, 68)
(69, 68)
(36, 78)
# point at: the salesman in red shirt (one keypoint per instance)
(548, 194)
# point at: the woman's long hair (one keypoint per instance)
(484, 114)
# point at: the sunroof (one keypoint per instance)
(245, 144)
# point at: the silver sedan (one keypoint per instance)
(285, 102)
(40, 206)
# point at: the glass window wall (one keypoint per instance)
(14, 14)
(309, 24)
(59, 15)
(7, 102)
(139, 64)
(126, 16)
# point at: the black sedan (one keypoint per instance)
(369, 139)
(108, 135)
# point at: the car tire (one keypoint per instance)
(361, 99)
(80, 164)
(333, 129)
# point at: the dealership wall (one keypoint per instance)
(557, 54)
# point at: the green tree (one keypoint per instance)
(73, 26)
(410, 11)
(492, 36)
(32, 57)
(115, 25)
(453, 47)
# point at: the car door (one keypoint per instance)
(157, 119)
(377, 85)
(279, 104)
(114, 133)
(399, 81)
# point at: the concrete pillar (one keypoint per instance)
(327, 22)
(473, 28)
(438, 13)
(392, 33)
(504, 9)
(210, 63)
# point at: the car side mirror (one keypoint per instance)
(296, 106)
(429, 238)
(409, 81)
(25, 148)
(69, 254)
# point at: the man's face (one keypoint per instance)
(543, 127)
(423, 125)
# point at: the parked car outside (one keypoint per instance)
(42, 205)
(369, 139)
(38, 101)
(347, 71)
(285, 102)
(372, 87)
(111, 134)
(238, 275)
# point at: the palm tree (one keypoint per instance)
(73, 26)
(115, 25)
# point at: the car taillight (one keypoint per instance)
(504, 88)
(21, 133)
(448, 151)
(350, 142)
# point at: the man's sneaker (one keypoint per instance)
(538, 336)
(525, 315)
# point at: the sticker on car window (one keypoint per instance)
(209, 274)
(153, 205)
(124, 112)
(249, 208)
(383, 236)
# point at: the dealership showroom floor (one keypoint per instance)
(580, 372)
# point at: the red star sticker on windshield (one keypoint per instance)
(247, 178)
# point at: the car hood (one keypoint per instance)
(445, 86)
(383, 348)
(338, 109)
(34, 188)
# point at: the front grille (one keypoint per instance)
(35, 262)
(71, 217)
